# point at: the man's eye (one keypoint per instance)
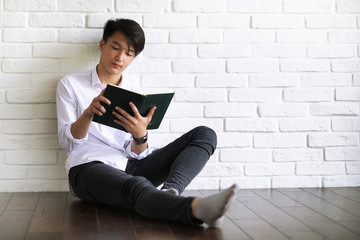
(115, 48)
(129, 54)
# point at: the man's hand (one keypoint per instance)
(95, 106)
(136, 125)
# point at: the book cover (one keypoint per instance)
(121, 97)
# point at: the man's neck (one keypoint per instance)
(106, 78)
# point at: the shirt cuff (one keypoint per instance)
(133, 155)
(71, 137)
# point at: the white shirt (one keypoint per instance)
(111, 146)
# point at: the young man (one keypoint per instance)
(118, 168)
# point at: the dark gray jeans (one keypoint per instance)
(175, 165)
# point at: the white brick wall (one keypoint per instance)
(279, 81)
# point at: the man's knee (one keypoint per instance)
(207, 135)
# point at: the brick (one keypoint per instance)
(344, 36)
(168, 20)
(334, 108)
(353, 168)
(33, 157)
(168, 80)
(98, 20)
(295, 181)
(301, 36)
(332, 139)
(252, 65)
(224, 50)
(13, 80)
(30, 126)
(308, 95)
(85, 6)
(170, 51)
(205, 183)
(185, 110)
(14, 50)
(325, 79)
(32, 35)
(356, 79)
(12, 20)
(30, 65)
(330, 21)
(184, 125)
(226, 139)
(345, 65)
(201, 6)
(30, 96)
(222, 170)
(142, 6)
(341, 181)
(149, 66)
(220, 81)
(245, 155)
(320, 168)
(279, 50)
(57, 20)
(223, 21)
(297, 155)
(61, 157)
(246, 182)
(332, 51)
(346, 124)
(304, 125)
(156, 36)
(348, 94)
(195, 36)
(342, 154)
(198, 66)
(230, 110)
(250, 125)
(76, 65)
(302, 65)
(34, 5)
(274, 80)
(277, 21)
(201, 95)
(80, 35)
(266, 6)
(46, 172)
(348, 6)
(2, 158)
(12, 172)
(309, 6)
(249, 36)
(282, 110)
(33, 142)
(60, 50)
(276, 140)
(27, 111)
(255, 95)
(2, 96)
(275, 169)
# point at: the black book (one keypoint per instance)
(120, 97)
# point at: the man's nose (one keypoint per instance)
(120, 56)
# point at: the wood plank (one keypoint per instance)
(4, 201)
(114, 224)
(80, 220)
(320, 224)
(23, 201)
(48, 217)
(276, 198)
(347, 192)
(317, 204)
(14, 224)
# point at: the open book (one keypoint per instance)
(120, 97)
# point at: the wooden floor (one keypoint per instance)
(304, 214)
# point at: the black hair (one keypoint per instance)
(134, 34)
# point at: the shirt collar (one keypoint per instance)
(95, 78)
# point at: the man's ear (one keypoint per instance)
(101, 44)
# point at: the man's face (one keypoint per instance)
(116, 54)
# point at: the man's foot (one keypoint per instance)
(171, 190)
(212, 209)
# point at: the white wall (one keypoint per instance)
(279, 81)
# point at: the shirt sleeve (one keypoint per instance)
(66, 116)
(133, 155)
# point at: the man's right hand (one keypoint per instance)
(95, 106)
